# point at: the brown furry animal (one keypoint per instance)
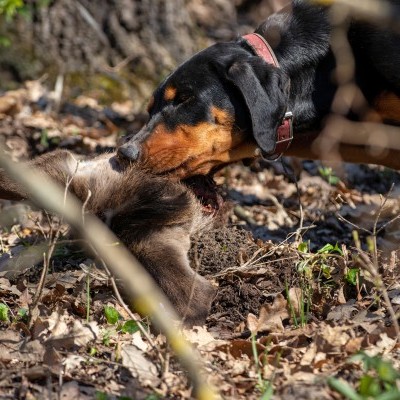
(153, 216)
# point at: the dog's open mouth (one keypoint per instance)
(205, 189)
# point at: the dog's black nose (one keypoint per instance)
(129, 151)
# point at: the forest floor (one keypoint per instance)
(305, 258)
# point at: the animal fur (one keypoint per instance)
(153, 216)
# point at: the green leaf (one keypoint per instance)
(267, 392)
(22, 314)
(130, 326)
(369, 386)
(4, 311)
(152, 396)
(329, 249)
(92, 351)
(344, 389)
(386, 372)
(333, 180)
(4, 41)
(303, 266)
(100, 396)
(10, 7)
(326, 271)
(111, 314)
(303, 247)
(44, 138)
(328, 174)
(392, 394)
(351, 275)
(107, 337)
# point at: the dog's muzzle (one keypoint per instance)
(129, 151)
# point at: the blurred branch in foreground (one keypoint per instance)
(356, 142)
(147, 298)
(378, 12)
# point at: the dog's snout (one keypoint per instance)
(129, 151)
(123, 139)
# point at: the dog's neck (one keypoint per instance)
(299, 36)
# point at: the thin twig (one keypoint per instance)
(46, 263)
(298, 237)
(379, 284)
(89, 195)
(130, 313)
(38, 292)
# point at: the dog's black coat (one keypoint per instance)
(255, 95)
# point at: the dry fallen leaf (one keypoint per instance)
(342, 312)
(332, 338)
(137, 340)
(139, 366)
(270, 318)
(295, 296)
(84, 333)
(239, 347)
(72, 362)
(385, 344)
(198, 336)
(70, 390)
(309, 356)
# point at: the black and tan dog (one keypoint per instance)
(153, 216)
(228, 102)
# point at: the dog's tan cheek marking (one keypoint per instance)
(205, 144)
(222, 116)
(169, 93)
(162, 140)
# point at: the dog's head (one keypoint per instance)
(215, 109)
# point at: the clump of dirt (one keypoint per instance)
(222, 248)
(248, 272)
(225, 249)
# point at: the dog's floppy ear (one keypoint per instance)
(264, 89)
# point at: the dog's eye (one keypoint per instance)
(182, 97)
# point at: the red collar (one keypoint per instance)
(285, 130)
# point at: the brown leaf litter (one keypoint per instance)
(305, 313)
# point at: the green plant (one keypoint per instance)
(44, 138)
(352, 275)
(311, 267)
(263, 385)
(153, 396)
(328, 174)
(100, 396)
(4, 312)
(130, 326)
(22, 314)
(112, 315)
(9, 8)
(317, 262)
(380, 380)
(92, 351)
(299, 316)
